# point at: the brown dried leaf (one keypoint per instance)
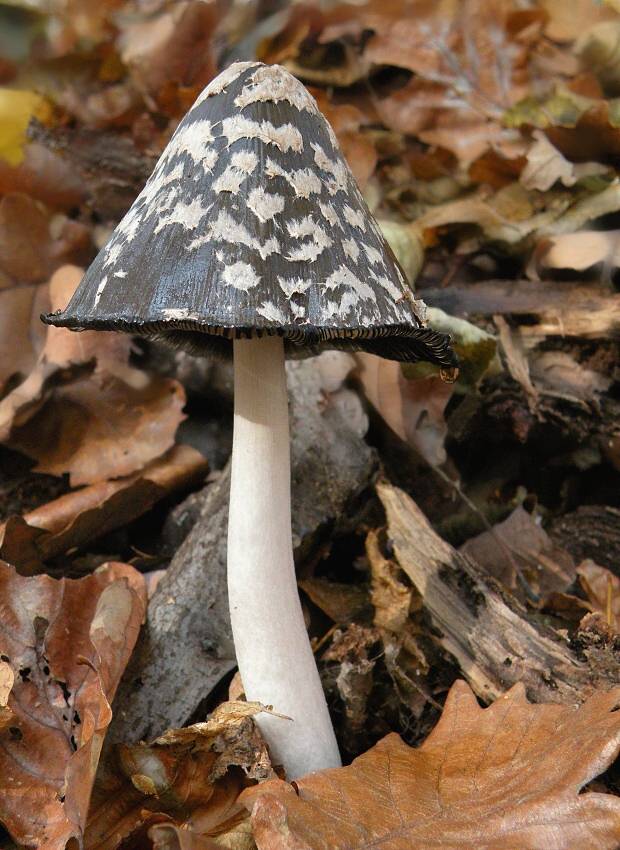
(413, 408)
(347, 121)
(45, 176)
(64, 354)
(342, 602)
(103, 427)
(172, 51)
(7, 680)
(69, 641)
(546, 165)
(602, 588)
(83, 515)
(567, 21)
(33, 244)
(505, 776)
(520, 541)
(579, 251)
(391, 597)
(22, 333)
(188, 780)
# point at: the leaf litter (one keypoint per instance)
(485, 138)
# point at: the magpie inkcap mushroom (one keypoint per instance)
(251, 237)
(252, 223)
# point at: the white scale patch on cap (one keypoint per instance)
(373, 255)
(351, 249)
(290, 286)
(129, 224)
(177, 313)
(241, 276)
(112, 253)
(223, 80)
(307, 251)
(302, 180)
(354, 217)
(225, 229)
(242, 164)
(100, 289)
(298, 310)
(271, 83)
(343, 276)
(189, 215)
(389, 286)
(337, 169)
(271, 312)
(329, 213)
(285, 137)
(192, 140)
(265, 205)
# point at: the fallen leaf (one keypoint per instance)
(521, 542)
(407, 246)
(22, 333)
(347, 122)
(16, 109)
(343, 603)
(546, 165)
(413, 408)
(33, 243)
(391, 596)
(602, 588)
(599, 52)
(7, 679)
(69, 642)
(103, 427)
(579, 251)
(86, 514)
(567, 22)
(475, 348)
(83, 410)
(184, 786)
(171, 51)
(45, 176)
(558, 373)
(516, 358)
(505, 776)
(352, 652)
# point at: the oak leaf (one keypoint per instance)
(507, 777)
(68, 643)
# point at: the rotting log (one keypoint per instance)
(186, 646)
(476, 621)
(566, 309)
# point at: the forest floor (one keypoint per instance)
(457, 543)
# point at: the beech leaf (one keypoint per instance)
(501, 778)
(184, 786)
(67, 642)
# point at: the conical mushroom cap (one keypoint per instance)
(252, 223)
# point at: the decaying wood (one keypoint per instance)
(111, 166)
(476, 621)
(561, 309)
(186, 646)
(592, 531)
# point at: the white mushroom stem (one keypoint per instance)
(275, 659)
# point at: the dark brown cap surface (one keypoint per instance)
(252, 223)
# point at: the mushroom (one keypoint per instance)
(252, 238)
